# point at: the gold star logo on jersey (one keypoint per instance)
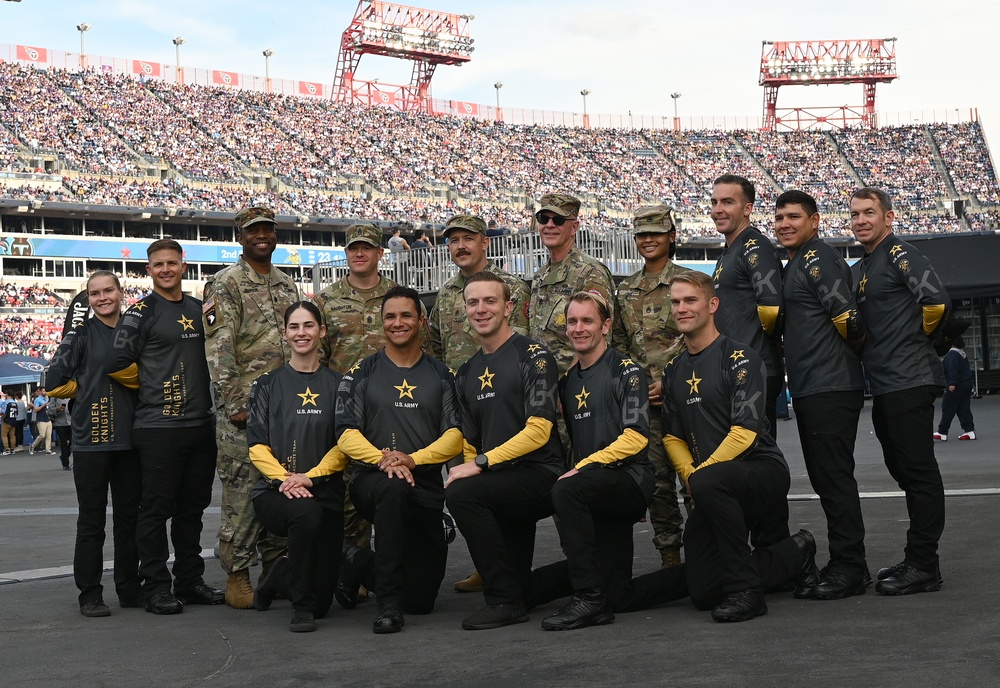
(452, 371)
(738, 354)
(354, 368)
(487, 379)
(308, 397)
(895, 249)
(186, 323)
(718, 272)
(139, 306)
(751, 242)
(534, 347)
(693, 381)
(811, 253)
(862, 283)
(627, 362)
(405, 389)
(581, 398)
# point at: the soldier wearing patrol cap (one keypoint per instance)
(352, 308)
(452, 338)
(568, 271)
(243, 308)
(646, 331)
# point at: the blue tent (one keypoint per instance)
(16, 370)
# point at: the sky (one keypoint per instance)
(630, 56)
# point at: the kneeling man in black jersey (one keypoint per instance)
(398, 421)
(716, 433)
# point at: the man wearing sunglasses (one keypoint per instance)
(568, 271)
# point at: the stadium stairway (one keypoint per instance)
(844, 161)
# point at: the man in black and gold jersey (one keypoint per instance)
(605, 399)
(904, 304)
(159, 349)
(507, 396)
(397, 419)
(824, 333)
(716, 434)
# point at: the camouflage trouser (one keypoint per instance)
(664, 512)
(357, 531)
(240, 533)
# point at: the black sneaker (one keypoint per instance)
(163, 603)
(267, 586)
(203, 593)
(95, 608)
(496, 616)
(389, 619)
(589, 608)
(838, 586)
(302, 622)
(907, 580)
(807, 577)
(740, 606)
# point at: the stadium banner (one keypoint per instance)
(460, 107)
(380, 97)
(225, 78)
(143, 68)
(26, 52)
(309, 88)
(135, 251)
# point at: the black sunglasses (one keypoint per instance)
(557, 220)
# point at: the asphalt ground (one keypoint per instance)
(947, 638)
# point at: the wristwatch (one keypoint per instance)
(483, 462)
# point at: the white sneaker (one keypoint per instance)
(970, 435)
(942, 438)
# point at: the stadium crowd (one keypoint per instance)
(349, 161)
(35, 336)
(14, 296)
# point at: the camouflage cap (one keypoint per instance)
(253, 215)
(368, 233)
(472, 223)
(654, 219)
(562, 204)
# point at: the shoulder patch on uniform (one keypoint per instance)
(753, 259)
(904, 266)
(741, 376)
(541, 364)
(209, 312)
(815, 273)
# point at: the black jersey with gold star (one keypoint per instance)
(292, 413)
(499, 392)
(600, 404)
(166, 339)
(403, 409)
(821, 317)
(748, 283)
(706, 394)
(903, 302)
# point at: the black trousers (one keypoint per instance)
(64, 433)
(828, 428)
(94, 473)
(729, 498)
(904, 424)
(774, 527)
(410, 554)
(597, 509)
(497, 512)
(960, 402)
(19, 432)
(178, 471)
(315, 531)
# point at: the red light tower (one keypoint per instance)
(425, 37)
(808, 63)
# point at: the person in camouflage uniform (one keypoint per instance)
(452, 339)
(645, 330)
(243, 309)
(352, 308)
(568, 271)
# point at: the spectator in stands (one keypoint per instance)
(422, 240)
(397, 244)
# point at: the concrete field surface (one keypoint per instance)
(947, 638)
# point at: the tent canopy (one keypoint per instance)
(16, 369)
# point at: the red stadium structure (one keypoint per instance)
(808, 63)
(425, 37)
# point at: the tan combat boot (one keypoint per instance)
(671, 557)
(239, 592)
(474, 583)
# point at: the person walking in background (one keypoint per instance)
(957, 393)
(8, 407)
(43, 426)
(61, 426)
(22, 418)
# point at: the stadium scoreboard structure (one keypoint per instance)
(427, 38)
(869, 61)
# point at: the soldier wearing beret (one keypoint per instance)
(243, 308)
(646, 331)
